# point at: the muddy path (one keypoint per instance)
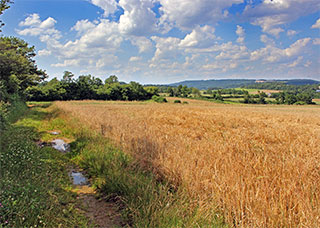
(100, 213)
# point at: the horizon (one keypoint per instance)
(164, 42)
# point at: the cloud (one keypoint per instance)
(138, 18)
(67, 63)
(241, 34)
(135, 58)
(273, 54)
(109, 6)
(316, 41)
(44, 52)
(291, 32)
(33, 19)
(230, 51)
(296, 62)
(143, 43)
(179, 39)
(83, 26)
(36, 27)
(166, 48)
(187, 14)
(200, 37)
(316, 25)
(267, 40)
(270, 15)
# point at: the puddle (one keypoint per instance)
(78, 178)
(60, 145)
(42, 144)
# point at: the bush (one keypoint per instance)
(177, 101)
(159, 99)
(3, 115)
(300, 103)
(185, 102)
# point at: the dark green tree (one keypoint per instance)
(4, 4)
(111, 80)
(262, 98)
(18, 69)
(67, 76)
(196, 92)
(171, 92)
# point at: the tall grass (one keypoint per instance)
(258, 165)
(34, 184)
(143, 199)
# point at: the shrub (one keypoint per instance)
(185, 102)
(177, 101)
(159, 99)
(3, 115)
(300, 103)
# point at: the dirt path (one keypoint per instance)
(97, 210)
(101, 214)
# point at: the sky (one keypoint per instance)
(165, 41)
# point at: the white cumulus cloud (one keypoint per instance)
(36, 27)
(316, 25)
(271, 15)
(191, 13)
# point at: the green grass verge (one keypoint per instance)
(143, 199)
(34, 184)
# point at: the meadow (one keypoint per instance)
(256, 166)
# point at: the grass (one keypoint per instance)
(258, 165)
(317, 101)
(34, 184)
(146, 200)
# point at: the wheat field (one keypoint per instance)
(259, 166)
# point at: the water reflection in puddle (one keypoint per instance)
(60, 145)
(78, 178)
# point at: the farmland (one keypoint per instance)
(257, 166)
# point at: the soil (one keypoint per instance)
(101, 213)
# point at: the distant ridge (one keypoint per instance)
(234, 83)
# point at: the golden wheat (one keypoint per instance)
(258, 165)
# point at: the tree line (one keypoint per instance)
(88, 87)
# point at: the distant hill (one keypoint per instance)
(234, 83)
(301, 82)
(223, 84)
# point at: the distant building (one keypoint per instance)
(261, 81)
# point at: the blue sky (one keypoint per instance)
(164, 41)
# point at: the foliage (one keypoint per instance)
(177, 101)
(215, 84)
(289, 88)
(159, 99)
(10, 111)
(33, 182)
(17, 67)
(4, 4)
(88, 87)
(250, 99)
(292, 98)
